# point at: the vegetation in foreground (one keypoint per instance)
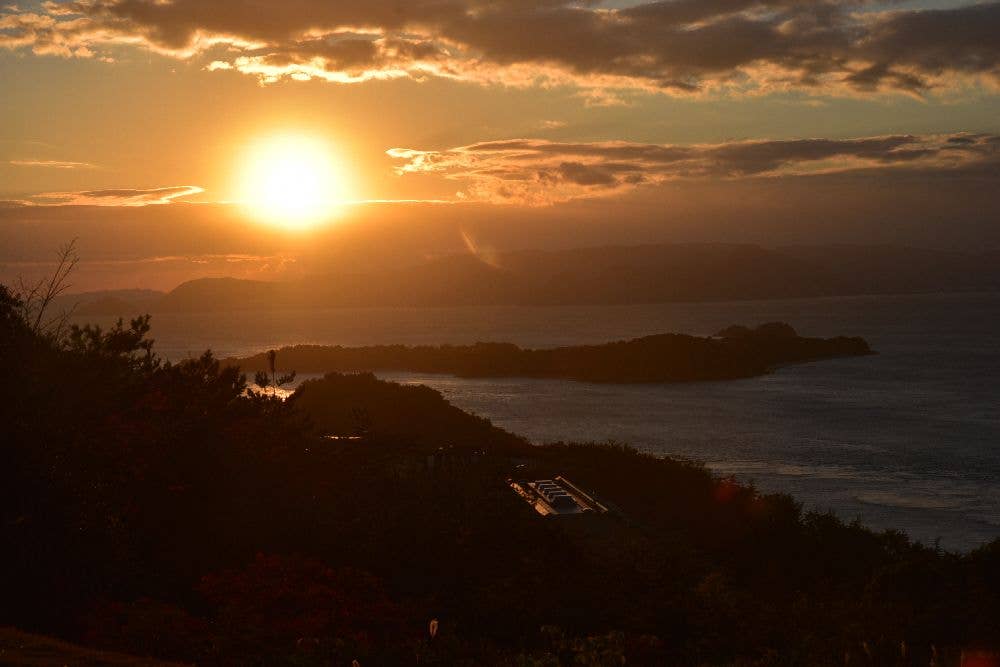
(28, 650)
(164, 510)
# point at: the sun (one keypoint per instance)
(291, 180)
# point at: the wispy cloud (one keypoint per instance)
(539, 172)
(51, 164)
(552, 124)
(117, 197)
(679, 47)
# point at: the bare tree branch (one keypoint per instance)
(36, 299)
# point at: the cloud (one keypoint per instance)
(52, 164)
(539, 172)
(119, 197)
(679, 47)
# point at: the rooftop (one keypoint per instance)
(556, 497)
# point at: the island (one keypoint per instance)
(735, 352)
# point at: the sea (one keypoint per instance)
(907, 439)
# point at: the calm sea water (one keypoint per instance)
(906, 439)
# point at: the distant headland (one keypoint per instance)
(605, 275)
(735, 352)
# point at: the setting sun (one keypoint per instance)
(496, 332)
(292, 181)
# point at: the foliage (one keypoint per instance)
(361, 405)
(164, 509)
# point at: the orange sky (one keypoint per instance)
(544, 122)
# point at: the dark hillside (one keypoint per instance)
(360, 405)
(163, 510)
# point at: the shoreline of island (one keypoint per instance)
(733, 353)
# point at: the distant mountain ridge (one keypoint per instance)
(120, 302)
(608, 275)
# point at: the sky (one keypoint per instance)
(131, 125)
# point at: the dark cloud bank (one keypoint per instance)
(536, 171)
(676, 46)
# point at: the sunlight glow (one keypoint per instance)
(291, 181)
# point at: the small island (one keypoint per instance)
(735, 352)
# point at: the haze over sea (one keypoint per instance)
(908, 438)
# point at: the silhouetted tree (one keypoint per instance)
(270, 380)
